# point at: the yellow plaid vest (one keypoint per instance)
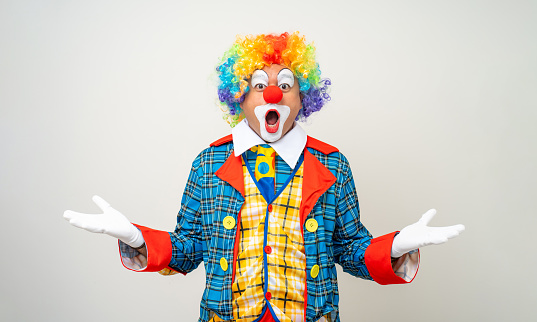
(284, 251)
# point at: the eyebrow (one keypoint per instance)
(262, 75)
(285, 75)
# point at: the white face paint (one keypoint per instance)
(259, 79)
(286, 79)
(261, 112)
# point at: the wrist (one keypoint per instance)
(396, 253)
(136, 239)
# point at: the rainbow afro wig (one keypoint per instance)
(255, 52)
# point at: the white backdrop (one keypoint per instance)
(434, 104)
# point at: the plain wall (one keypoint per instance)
(433, 103)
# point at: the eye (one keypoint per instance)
(285, 87)
(286, 79)
(259, 80)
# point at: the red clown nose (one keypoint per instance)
(272, 94)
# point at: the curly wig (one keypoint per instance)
(255, 52)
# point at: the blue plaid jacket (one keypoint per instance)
(215, 189)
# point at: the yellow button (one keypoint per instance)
(314, 271)
(229, 222)
(223, 264)
(311, 225)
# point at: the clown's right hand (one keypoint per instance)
(110, 222)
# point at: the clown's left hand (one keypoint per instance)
(419, 235)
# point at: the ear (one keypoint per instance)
(241, 100)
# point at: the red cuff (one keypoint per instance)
(159, 249)
(379, 262)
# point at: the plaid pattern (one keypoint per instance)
(406, 266)
(286, 261)
(200, 234)
(131, 257)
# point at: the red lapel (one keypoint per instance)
(317, 178)
(225, 139)
(231, 172)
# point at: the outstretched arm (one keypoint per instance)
(419, 235)
(110, 222)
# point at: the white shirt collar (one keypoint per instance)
(289, 147)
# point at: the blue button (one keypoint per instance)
(263, 168)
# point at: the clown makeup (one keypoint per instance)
(271, 118)
(273, 102)
(286, 79)
(259, 80)
(263, 52)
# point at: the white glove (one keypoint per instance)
(110, 222)
(419, 234)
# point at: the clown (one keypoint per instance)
(269, 210)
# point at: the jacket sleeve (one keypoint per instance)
(178, 251)
(186, 240)
(354, 248)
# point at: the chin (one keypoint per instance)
(272, 119)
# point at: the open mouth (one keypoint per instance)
(272, 121)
